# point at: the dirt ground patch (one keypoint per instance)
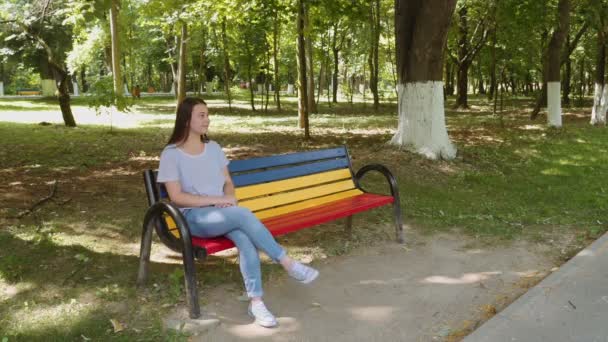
(438, 288)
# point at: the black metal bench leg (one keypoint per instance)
(349, 226)
(398, 221)
(144, 252)
(191, 288)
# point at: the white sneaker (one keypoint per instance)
(261, 314)
(302, 273)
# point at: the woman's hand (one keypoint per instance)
(227, 201)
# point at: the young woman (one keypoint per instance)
(194, 170)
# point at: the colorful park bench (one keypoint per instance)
(288, 192)
(28, 92)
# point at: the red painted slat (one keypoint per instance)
(304, 218)
(365, 201)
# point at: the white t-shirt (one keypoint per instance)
(201, 174)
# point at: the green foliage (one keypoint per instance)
(176, 281)
(102, 96)
(23, 78)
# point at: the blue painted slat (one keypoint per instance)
(288, 172)
(162, 191)
(285, 159)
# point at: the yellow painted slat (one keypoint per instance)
(263, 214)
(290, 184)
(171, 225)
(297, 196)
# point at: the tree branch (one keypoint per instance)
(44, 8)
(570, 48)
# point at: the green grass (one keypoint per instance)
(69, 267)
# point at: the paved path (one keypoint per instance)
(431, 291)
(569, 305)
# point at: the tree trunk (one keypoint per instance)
(600, 98)
(275, 54)
(249, 76)
(310, 77)
(114, 27)
(334, 81)
(181, 84)
(302, 74)
(226, 65)
(567, 76)
(62, 79)
(203, 64)
(481, 88)
(449, 77)
(421, 28)
(493, 63)
(554, 53)
(463, 84)
(463, 59)
(374, 51)
(551, 69)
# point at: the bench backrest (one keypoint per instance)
(280, 184)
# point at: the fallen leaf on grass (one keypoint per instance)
(118, 327)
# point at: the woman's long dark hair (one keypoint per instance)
(182, 120)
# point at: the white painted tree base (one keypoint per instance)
(1, 88)
(76, 90)
(49, 88)
(554, 104)
(600, 105)
(421, 127)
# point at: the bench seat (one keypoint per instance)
(306, 218)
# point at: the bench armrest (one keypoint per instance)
(156, 211)
(385, 172)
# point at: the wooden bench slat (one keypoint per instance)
(282, 210)
(285, 159)
(329, 212)
(297, 196)
(289, 172)
(311, 217)
(268, 213)
(251, 191)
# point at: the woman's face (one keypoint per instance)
(199, 122)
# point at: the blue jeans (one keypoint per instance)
(246, 231)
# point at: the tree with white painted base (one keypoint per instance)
(553, 64)
(421, 28)
(600, 98)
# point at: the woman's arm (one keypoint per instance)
(229, 193)
(184, 199)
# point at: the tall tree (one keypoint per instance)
(552, 61)
(226, 63)
(41, 26)
(374, 19)
(553, 64)
(182, 65)
(115, 36)
(308, 51)
(600, 98)
(469, 45)
(421, 28)
(303, 102)
(597, 16)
